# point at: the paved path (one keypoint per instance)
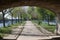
(30, 32)
(46, 32)
(33, 38)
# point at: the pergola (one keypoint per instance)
(53, 5)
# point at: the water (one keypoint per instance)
(51, 23)
(7, 23)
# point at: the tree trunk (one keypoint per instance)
(21, 18)
(48, 20)
(18, 18)
(3, 19)
(12, 19)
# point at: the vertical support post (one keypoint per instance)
(3, 18)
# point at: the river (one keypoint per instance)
(7, 23)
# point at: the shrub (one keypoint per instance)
(5, 30)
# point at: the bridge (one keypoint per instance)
(53, 5)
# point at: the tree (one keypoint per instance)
(19, 13)
(3, 18)
(46, 14)
(32, 14)
(1, 15)
(50, 16)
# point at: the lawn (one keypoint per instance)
(48, 27)
(7, 30)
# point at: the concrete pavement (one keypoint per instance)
(30, 32)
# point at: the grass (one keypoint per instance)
(16, 24)
(4, 31)
(7, 30)
(50, 28)
(23, 23)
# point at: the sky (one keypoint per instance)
(25, 8)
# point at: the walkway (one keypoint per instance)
(30, 32)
